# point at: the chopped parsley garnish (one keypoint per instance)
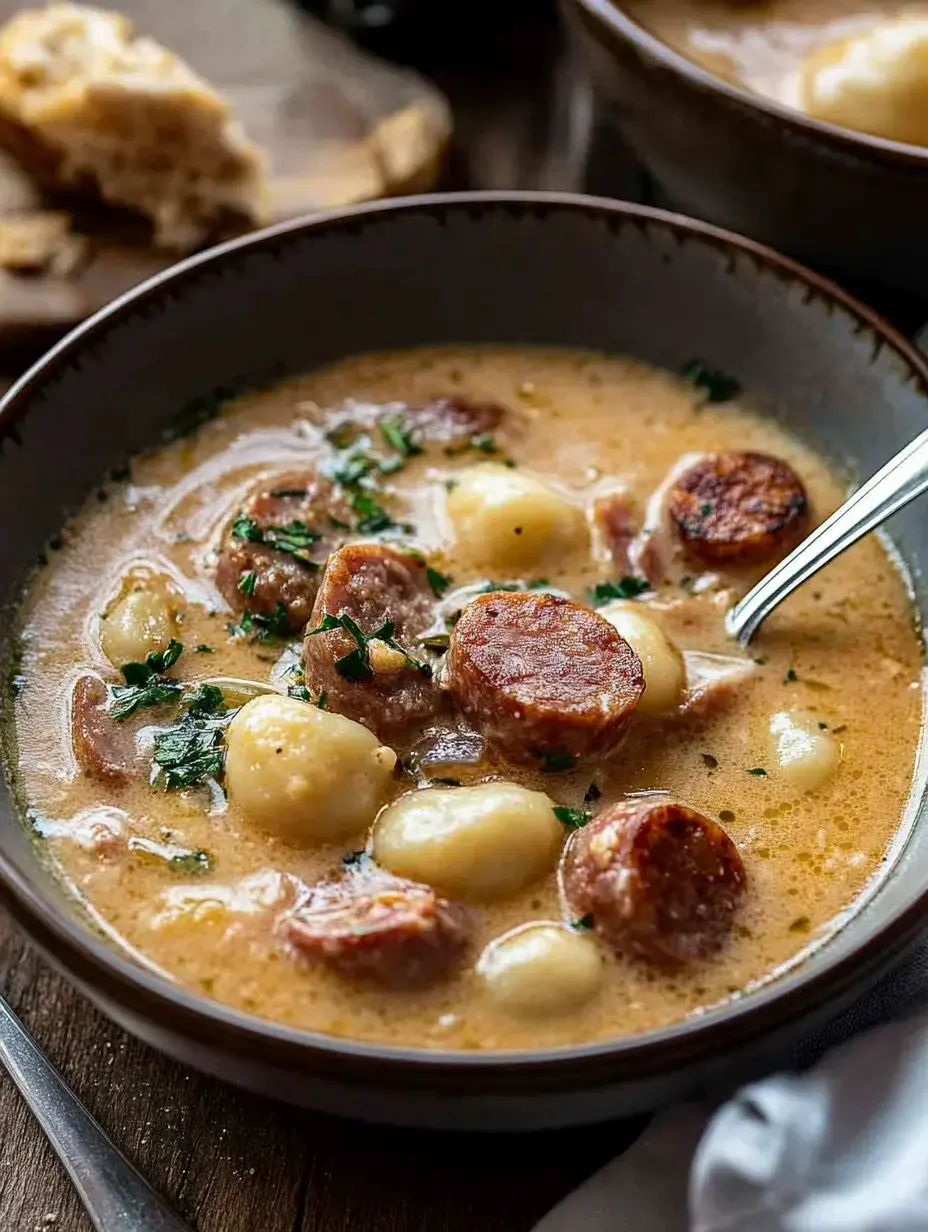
(822, 726)
(295, 538)
(533, 584)
(192, 749)
(261, 627)
(790, 677)
(705, 510)
(439, 582)
(302, 694)
(717, 386)
(626, 587)
(372, 517)
(396, 436)
(759, 772)
(554, 763)
(246, 583)
(572, 818)
(145, 684)
(484, 442)
(585, 922)
(192, 862)
(592, 793)
(353, 469)
(203, 649)
(356, 665)
(436, 641)
(343, 434)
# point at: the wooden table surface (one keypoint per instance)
(231, 1162)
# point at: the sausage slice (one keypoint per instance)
(545, 680)
(100, 745)
(299, 513)
(372, 584)
(380, 928)
(661, 881)
(739, 507)
(452, 420)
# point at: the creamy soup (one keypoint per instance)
(855, 63)
(515, 788)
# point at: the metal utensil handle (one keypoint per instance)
(116, 1196)
(902, 479)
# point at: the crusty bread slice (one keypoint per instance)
(102, 111)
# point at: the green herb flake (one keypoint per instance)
(261, 626)
(822, 726)
(554, 763)
(592, 793)
(398, 437)
(145, 684)
(246, 583)
(192, 862)
(356, 665)
(759, 772)
(790, 677)
(192, 750)
(572, 818)
(626, 587)
(713, 383)
(439, 582)
(295, 539)
(288, 493)
(372, 517)
(203, 649)
(584, 923)
(705, 510)
(436, 641)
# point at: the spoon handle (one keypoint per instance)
(115, 1195)
(904, 477)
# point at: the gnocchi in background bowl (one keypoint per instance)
(801, 124)
(372, 736)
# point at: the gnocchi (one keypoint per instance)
(806, 753)
(875, 82)
(662, 662)
(304, 774)
(480, 843)
(541, 970)
(507, 519)
(143, 620)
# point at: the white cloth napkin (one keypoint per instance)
(841, 1146)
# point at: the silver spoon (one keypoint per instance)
(902, 479)
(114, 1194)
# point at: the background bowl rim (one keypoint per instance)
(100, 967)
(614, 17)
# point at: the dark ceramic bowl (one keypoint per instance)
(845, 202)
(505, 268)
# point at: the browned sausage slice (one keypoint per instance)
(739, 507)
(371, 584)
(380, 928)
(545, 680)
(99, 745)
(452, 420)
(274, 550)
(661, 881)
(617, 523)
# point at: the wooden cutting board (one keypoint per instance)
(338, 127)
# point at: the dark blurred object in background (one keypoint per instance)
(523, 116)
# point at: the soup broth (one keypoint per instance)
(202, 886)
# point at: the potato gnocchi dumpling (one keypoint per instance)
(664, 670)
(806, 753)
(541, 970)
(507, 519)
(479, 843)
(875, 82)
(142, 620)
(304, 774)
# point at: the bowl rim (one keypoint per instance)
(141, 990)
(611, 15)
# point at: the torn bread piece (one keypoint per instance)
(90, 107)
(38, 241)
